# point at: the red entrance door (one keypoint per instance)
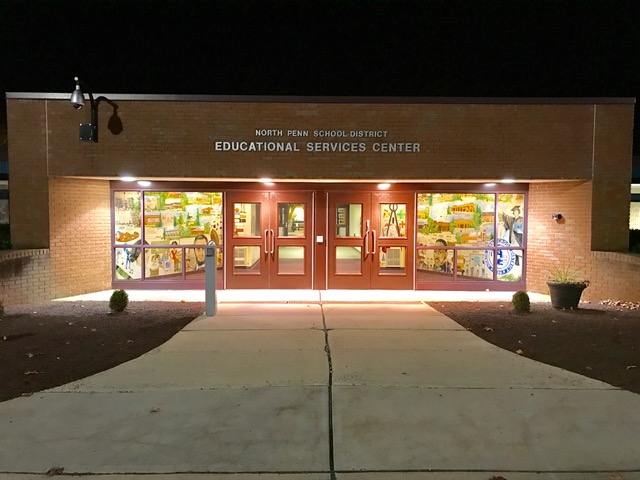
(269, 239)
(371, 240)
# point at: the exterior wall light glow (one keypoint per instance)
(266, 181)
(490, 184)
(508, 180)
(384, 186)
(127, 179)
(144, 183)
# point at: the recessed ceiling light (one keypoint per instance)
(144, 183)
(266, 181)
(384, 186)
(490, 184)
(127, 179)
(508, 180)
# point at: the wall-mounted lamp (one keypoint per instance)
(556, 216)
(89, 131)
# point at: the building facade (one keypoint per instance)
(319, 193)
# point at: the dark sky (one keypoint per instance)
(537, 48)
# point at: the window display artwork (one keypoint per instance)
(450, 225)
(168, 218)
(393, 219)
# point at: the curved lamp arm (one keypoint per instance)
(89, 132)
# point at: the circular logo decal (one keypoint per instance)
(506, 258)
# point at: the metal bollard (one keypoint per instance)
(210, 270)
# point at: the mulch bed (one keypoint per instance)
(54, 343)
(595, 340)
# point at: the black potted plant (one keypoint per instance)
(565, 287)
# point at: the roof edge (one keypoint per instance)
(330, 99)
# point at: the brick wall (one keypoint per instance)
(80, 235)
(461, 141)
(79, 258)
(25, 276)
(27, 140)
(568, 242)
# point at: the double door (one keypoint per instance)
(370, 240)
(269, 239)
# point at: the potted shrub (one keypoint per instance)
(565, 287)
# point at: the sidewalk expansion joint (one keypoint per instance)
(327, 349)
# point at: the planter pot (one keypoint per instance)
(565, 295)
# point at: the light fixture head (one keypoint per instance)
(556, 216)
(77, 97)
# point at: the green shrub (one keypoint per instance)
(118, 301)
(520, 301)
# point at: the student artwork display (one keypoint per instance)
(458, 231)
(166, 219)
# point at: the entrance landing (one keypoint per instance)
(310, 296)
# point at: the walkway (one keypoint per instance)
(310, 391)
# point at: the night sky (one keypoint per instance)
(426, 48)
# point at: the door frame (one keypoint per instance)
(269, 240)
(370, 241)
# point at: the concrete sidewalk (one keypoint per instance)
(311, 391)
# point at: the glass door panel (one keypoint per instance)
(246, 259)
(246, 219)
(393, 260)
(291, 260)
(348, 220)
(393, 219)
(291, 220)
(348, 260)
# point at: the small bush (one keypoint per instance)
(520, 301)
(118, 301)
(1, 309)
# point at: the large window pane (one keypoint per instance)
(127, 219)
(456, 218)
(434, 264)
(511, 218)
(162, 263)
(471, 265)
(127, 267)
(181, 216)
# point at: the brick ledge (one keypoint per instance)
(632, 258)
(13, 254)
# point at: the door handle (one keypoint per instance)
(273, 242)
(373, 237)
(366, 238)
(266, 239)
